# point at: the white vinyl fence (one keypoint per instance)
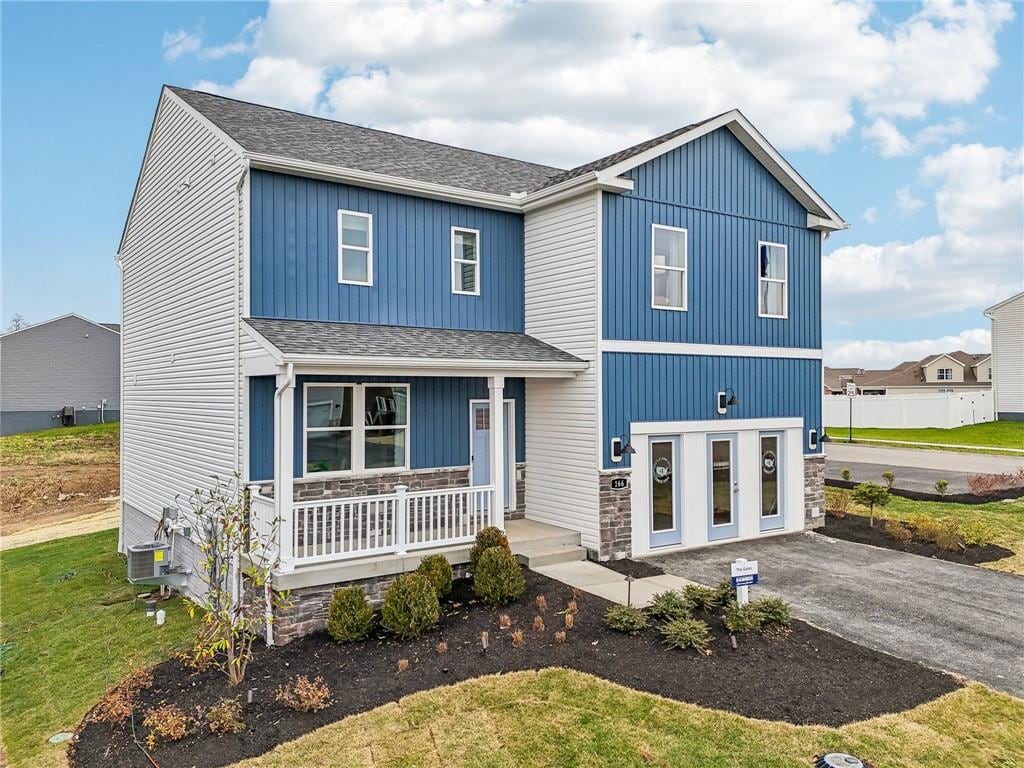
(943, 411)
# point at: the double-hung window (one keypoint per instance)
(773, 271)
(466, 261)
(355, 428)
(355, 248)
(668, 267)
(945, 374)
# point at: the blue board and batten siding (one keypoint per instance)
(439, 419)
(727, 201)
(294, 258)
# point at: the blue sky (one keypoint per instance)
(907, 118)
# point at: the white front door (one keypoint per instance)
(480, 446)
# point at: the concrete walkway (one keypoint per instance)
(604, 582)
(954, 617)
(945, 461)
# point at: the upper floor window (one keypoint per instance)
(668, 267)
(355, 248)
(945, 374)
(773, 270)
(466, 261)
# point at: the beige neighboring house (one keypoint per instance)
(1007, 361)
(947, 372)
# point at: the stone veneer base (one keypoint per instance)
(616, 528)
(814, 491)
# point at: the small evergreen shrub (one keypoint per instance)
(725, 594)
(349, 616)
(625, 618)
(672, 604)
(410, 606)
(700, 597)
(890, 477)
(686, 633)
(498, 577)
(742, 618)
(439, 571)
(773, 612)
(941, 486)
(304, 695)
(225, 717)
(487, 537)
(898, 531)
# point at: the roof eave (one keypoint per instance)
(587, 182)
(420, 365)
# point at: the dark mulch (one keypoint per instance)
(949, 498)
(638, 569)
(805, 675)
(858, 528)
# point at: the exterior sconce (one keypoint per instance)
(726, 399)
(620, 448)
(812, 439)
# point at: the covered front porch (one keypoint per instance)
(377, 444)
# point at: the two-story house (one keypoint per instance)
(946, 373)
(396, 342)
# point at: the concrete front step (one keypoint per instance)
(539, 558)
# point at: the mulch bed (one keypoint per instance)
(804, 675)
(635, 568)
(857, 528)
(1003, 494)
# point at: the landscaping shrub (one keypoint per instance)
(845, 474)
(870, 495)
(349, 616)
(304, 695)
(974, 533)
(625, 618)
(498, 577)
(438, 571)
(773, 612)
(165, 723)
(837, 503)
(538, 623)
(225, 717)
(941, 485)
(890, 477)
(725, 594)
(898, 531)
(990, 484)
(742, 618)
(116, 704)
(518, 640)
(672, 604)
(487, 537)
(410, 606)
(945, 534)
(700, 597)
(686, 633)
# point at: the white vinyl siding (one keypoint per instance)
(466, 257)
(1008, 356)
(561, 414)
(355, 248)
(669, 261)
(180, 295)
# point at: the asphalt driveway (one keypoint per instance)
(962, 619)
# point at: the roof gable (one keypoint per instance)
(112, 327)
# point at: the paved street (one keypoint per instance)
(953, 617)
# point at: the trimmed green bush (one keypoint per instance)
(686, 633)
(725, 594)
(498, 577)
(774, 612)
(410, 606)
(700, 597)
(486, 538)
(625, 618)
(742, 618)
(439, 571)
(349, 616)
(672, 604)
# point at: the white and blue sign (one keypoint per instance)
(744, 573)
(744, 581)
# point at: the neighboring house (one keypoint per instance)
(336, 313)
(1008, 357)
(945, 373)
(60, 372)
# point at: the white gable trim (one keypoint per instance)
(54, 320)
(1003, 303)
(943, 355)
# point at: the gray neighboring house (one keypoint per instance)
(1008, 357)
(66, 363)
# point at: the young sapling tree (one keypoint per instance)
(870, 495)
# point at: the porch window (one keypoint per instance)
(668, 267)
(355, 248)
(465, 261)
(386, 427)
(773, 272)
(329, 428)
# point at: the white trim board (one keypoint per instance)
(712, 350)
(54, 320)
(713, 425)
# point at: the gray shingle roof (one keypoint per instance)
(296, 136)
(308, 337)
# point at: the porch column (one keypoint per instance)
(284, 472)
(497, 387)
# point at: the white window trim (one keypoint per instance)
(358, 429)
(940, 377)
(784, 280)
(685, 269)
(368, 250)
(780, 495)
(456, 279)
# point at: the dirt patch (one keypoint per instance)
(31, 496)
(857, 528)
(635, 568)
(805, 675)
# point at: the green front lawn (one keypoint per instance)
(70, 628)
(1004, 520)
(60, 446)
(992, 434)
(558, 717)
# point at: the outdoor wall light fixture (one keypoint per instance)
(621, 447)
(727, 398)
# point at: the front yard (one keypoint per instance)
(993, 434)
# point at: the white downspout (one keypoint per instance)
(279, 506)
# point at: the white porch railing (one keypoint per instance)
(360, 526)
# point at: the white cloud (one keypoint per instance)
(974, 260)
(875, 353)
(177, 44)
(906, 201)
(501, 76)
(889, 141)
(870, 215)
